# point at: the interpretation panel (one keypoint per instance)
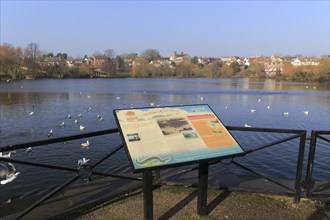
(165, 136)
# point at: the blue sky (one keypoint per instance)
(198, 28)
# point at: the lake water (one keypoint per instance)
(52, 100)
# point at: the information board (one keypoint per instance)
(166, 136)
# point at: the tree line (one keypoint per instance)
(16, 63)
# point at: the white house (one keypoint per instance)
(296, 62)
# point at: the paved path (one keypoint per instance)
(85, 196)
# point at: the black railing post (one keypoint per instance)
(147, 195)
(202, 188)
(156, 177)
(310, 163)
(299, 167)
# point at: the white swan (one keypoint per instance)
(268, 107)
(247, 126)
(286, 113)
(8, 172)
(31, 113)
(9, 179)
(81, 127)
(305, 112)
(85, 145)
(253, 110)
(7, 155)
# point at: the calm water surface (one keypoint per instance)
(231, 99)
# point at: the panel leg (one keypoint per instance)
(202, 189)
(147, 195)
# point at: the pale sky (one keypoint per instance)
(198, 28)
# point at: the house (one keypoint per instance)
(228, 60)
(51, 61)
(179, 58)
(296, 62)
(99, 61)
(246, 62)
(160, 63)
(71, 62)
(87, 60)
(273, 67)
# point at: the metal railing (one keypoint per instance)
(295, 134)
(76, 171)
(301, 134)
(309, 183)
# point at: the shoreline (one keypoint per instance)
(128, 77)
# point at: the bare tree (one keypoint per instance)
(110, 53)
(97, 53)
(32, 51)
(150, 54)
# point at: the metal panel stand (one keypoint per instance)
(202, 188)
(147, 195)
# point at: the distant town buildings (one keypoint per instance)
(296, 62)
(179, 58)
(272, 65)
(178, 64)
